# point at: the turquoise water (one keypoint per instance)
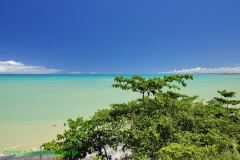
(31, 104)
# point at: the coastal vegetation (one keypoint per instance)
(227, 98)
(165, 124)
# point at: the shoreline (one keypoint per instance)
(40, 132)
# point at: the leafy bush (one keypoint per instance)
(166, 125)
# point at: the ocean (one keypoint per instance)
(34, 108)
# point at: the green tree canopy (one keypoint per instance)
(227, 98)
(150, 85)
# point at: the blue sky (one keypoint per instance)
(120, 36)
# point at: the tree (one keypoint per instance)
(227, 98)
(135, 83)
(150, 85)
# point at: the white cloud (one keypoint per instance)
(235, 69)
(75, 72)
(13, 67)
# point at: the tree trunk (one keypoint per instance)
(105, 152)
(143, 97)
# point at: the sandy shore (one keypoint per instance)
(235, 106)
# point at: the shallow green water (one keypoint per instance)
(31, 104)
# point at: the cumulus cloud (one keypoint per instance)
(235, 69)
(13, 67)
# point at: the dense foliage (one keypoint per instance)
(168, 126)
